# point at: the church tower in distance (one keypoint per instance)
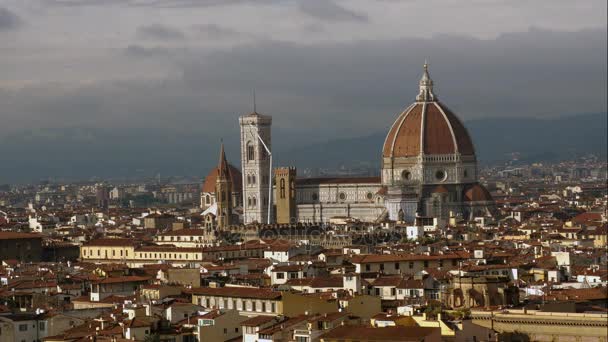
(223, 192)
(285, 194)
(255, 164)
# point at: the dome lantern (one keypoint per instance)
(426, 86)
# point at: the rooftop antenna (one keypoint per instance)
(254, 104)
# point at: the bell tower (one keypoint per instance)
(255, 164)
(285, 194)
(223, 192)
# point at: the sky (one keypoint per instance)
(160, 75)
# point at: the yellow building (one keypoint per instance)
(246, 300)
(545, 326)
(157, 292)
(258, 301)
(409, 264)
(219, 326)
(186, 238)
(126, 251)
(107, 250)
(424, 321)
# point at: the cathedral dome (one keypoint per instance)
(477, 193)
(427, 127)
(235, 178)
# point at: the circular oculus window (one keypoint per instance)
(441, 175)
(406, 175)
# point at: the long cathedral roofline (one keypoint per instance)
(338, 180)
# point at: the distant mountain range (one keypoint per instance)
(85, 153)
(495, 139)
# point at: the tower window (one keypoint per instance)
(282, 188)
(250, 151)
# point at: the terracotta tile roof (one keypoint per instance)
(387, 281)
(369, 258)
(17, 236)
(257, 321)
(595, 293)
(283, 325)
(317, 282)
(244, 246)
(125, 279)
(186, 232)
(107, 242)
(587, 217)
(169, 249)
(288, 268)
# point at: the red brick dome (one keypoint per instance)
(235, 178)
(427, 127)
(477, 193)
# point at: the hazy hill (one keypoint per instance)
(81, 153)
(494, 138)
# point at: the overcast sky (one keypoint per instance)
(322, 68)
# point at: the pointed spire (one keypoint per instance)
(222, 168)
(426, 86)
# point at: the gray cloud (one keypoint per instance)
(154, 3)
(9, 20)
(315, 92)
(217, 32)
(335, 89)
(329, 10)
(160, 32)
(138, 51)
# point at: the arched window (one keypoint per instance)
(250, 151)
(248, 179)
(207, 199)
(255, 201)
(249, 202)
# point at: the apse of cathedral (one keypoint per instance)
(428, 171)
